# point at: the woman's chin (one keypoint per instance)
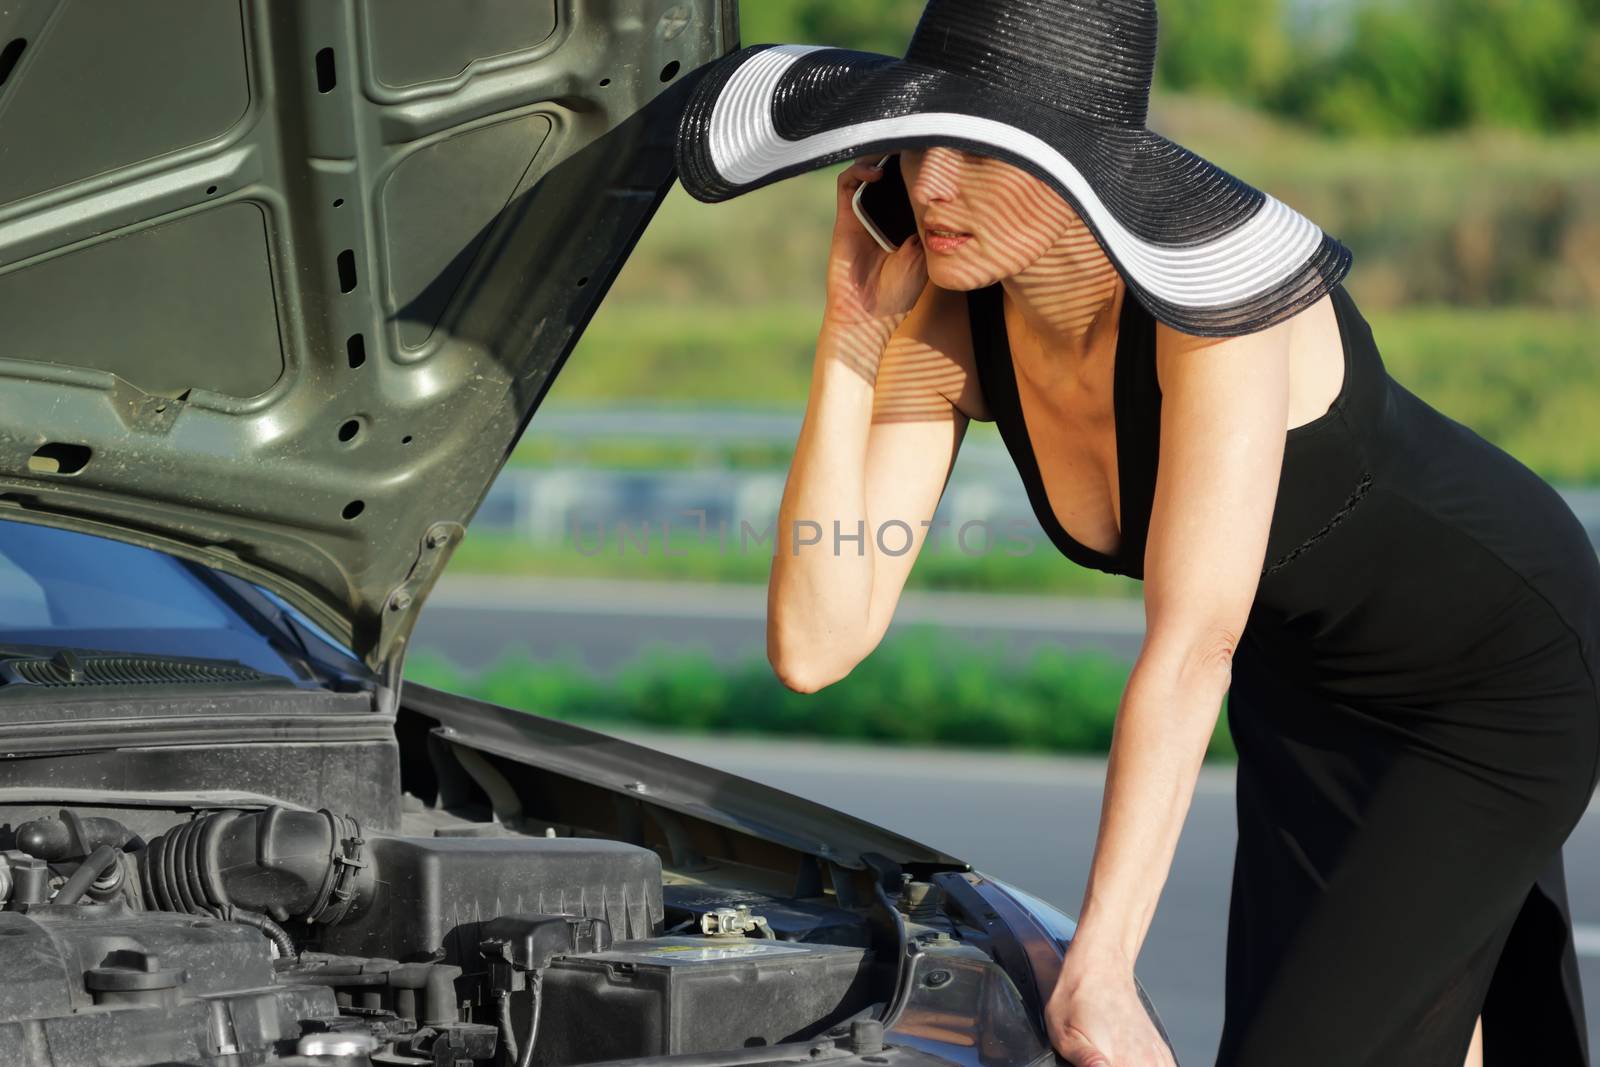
(949, 273)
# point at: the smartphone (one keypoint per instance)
(884, 206)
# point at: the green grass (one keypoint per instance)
(1264, 149)
(651, 455)
(694, 351)
(1526, 378)
(923, 688)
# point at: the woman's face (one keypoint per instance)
(1003, 217)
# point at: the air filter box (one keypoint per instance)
(672, 995)
(435, 893)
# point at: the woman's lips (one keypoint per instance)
(945, 240)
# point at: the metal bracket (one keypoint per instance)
(403, 600)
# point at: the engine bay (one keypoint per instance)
(481, 889)
(294, 937)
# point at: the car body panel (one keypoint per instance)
(659, 779)
(283, 281)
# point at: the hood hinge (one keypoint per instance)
(400, 607)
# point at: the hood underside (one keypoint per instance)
(282, 281)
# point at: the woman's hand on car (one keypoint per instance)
(870, 291)
(1095, 1016)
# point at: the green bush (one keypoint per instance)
(1242, 48)
(1370, 66)
(1525, 378)
(879, 26)
(923, 687)
(1443, 64)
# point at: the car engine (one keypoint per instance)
(292, 937)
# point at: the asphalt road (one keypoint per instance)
(1031, 821)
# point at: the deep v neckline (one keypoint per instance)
(1003, 398)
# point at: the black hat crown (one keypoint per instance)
(1092, 58)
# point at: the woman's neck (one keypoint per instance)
(1069, 299)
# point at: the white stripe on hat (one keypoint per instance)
(1259, 255)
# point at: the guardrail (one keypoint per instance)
(545, 504)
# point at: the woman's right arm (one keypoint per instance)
(876, 446)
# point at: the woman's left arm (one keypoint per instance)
(1223, 414)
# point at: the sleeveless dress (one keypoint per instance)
(1416, 710)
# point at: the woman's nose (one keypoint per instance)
(938, 177)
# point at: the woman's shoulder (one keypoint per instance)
(1309, 335)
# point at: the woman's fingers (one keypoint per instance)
(863, 169)
(904, 270)
(858, 173)
(850, 179)
(1077, 1051)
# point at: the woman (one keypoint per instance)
(1405, 619)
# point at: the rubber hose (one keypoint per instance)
(508, 1034)
(99, 861)
(275, 933)
(537, 987)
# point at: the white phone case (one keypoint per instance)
(871, 227)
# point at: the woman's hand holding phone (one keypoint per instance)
(870, 291)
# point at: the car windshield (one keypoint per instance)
(60, 589)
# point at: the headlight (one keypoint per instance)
(1059, 927)
(1055, 922)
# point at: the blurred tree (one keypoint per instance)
(871, 25)
(1531, 65)
(1390, 75)
(1241, 48)
(883, 26)
(1439, 64)
(1347, 66)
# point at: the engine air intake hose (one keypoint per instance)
(235, 865)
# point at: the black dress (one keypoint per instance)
(1416, 710)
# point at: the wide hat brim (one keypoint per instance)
(1204, 252)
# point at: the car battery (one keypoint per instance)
(671, 995)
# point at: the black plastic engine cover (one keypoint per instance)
(101, 983)
(675, 995)
(435, 893)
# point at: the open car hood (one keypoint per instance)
(282, 281)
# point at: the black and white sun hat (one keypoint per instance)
(1059, 88)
